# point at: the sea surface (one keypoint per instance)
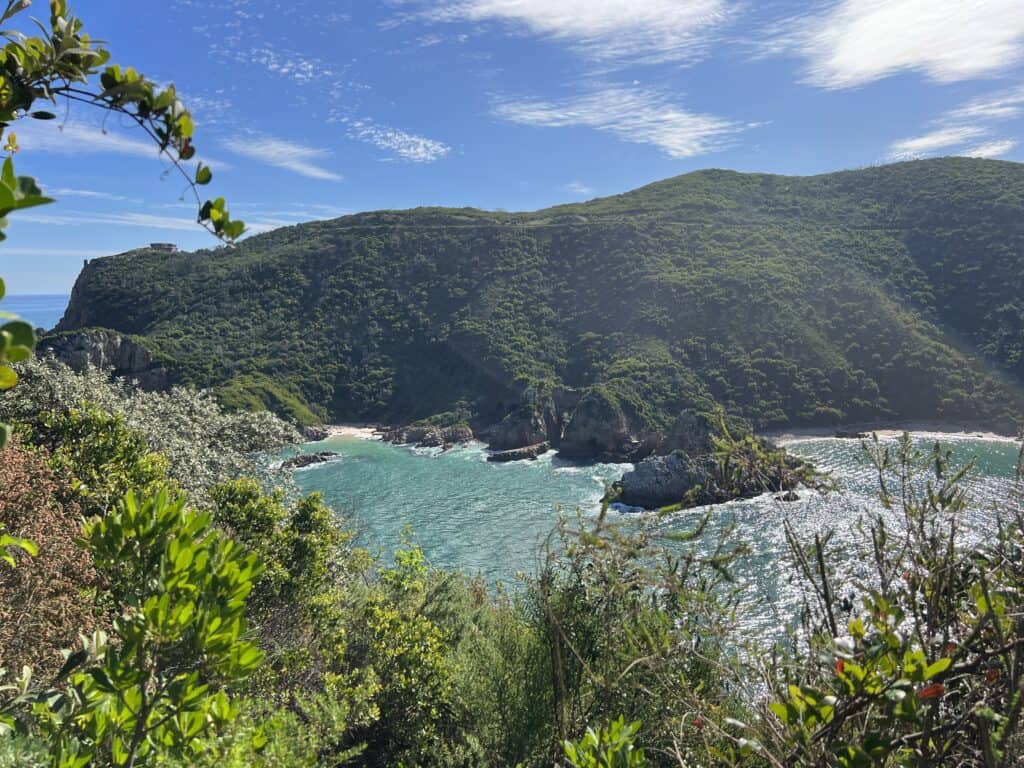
(42, 310)
(494, 519)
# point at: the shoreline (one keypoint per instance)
(362, 431)
(888, 429)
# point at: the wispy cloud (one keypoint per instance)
(579, 189)
(61, 192)
(75, 138)
(854, 42)
(86, 218)
(141, 221)
(71, 253)
(280, 153)
(608, 30)
(407, 146)
(1004, 105)
(933, 141)
(990, 149)
(635, 115)
(970, 129)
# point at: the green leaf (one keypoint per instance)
(8, 378)
(20, 333)
(203, 174)
(937, 668)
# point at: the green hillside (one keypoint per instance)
(889, 292)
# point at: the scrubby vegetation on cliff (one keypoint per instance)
(890, 292)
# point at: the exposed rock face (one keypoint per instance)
(429, 436)
(598, 429)
(658, 481)
(108, 349)
(691, 433)
(524, 426)
(309, 459)
(315, 433)
(518, 454)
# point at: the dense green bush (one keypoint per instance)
(202, 443)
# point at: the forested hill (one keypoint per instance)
(889, 292)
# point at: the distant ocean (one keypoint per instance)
(42, 310)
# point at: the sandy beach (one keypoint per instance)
(361, 431)
(938, 430)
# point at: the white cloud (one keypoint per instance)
(75, 137)
(990, 149)
(1005, 105)
(636, 30)
(634, 115)
(579, 188)
(279, 153)
(61, 192)
(68, 252)
(854, 42)
(408, 146)
(933, 141)
(86, 218)
(973, 123)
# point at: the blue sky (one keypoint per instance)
(311, 109)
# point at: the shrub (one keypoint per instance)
(204, 444)
(46, 601)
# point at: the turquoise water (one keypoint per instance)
(43, 311)
(492, 518)
(468, 513)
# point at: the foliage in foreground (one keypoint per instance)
(255, 633)
(202, 444)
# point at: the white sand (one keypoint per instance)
(930, 429)
(361, 431)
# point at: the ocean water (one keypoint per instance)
(42, 310)
(494, 519)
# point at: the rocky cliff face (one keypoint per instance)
(600, 429)
(108, 349)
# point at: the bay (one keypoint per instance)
(494, 519)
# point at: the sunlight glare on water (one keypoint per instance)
(491, 519)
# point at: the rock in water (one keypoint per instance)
(316, 433)
(518, 454)
(309, 459)
(523, 427)
(659, 481)
(429, 436)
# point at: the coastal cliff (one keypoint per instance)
(786, 301)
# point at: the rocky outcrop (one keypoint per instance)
(108, 350)
(519, 454)
(316, 433)
(755, 466)
(599, 429)
(691, 433)
(524, 426)
(429, 436)
(659, 481)
(309, 459)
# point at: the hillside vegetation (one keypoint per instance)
(886, 293)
